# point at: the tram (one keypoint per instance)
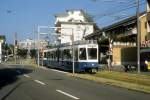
(61, 56)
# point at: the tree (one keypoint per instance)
(22, 52)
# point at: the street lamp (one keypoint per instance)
(72, 39)
(138, 37)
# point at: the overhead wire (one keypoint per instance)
(129, 6)
(112, 14)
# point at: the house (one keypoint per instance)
(74, 23)
(119, 40)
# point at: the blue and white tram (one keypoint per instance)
(85, 57)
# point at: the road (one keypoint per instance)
(20, 82)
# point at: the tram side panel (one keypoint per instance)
(86, 58)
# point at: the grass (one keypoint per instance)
(125, 77)
(30, 62)
(138, 82)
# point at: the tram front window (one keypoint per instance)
(82, 55)
(92, 53)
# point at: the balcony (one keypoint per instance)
(128, 33)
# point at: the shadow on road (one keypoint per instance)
(10, 75)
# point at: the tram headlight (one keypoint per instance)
(93, 64)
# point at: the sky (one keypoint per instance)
(23, 16)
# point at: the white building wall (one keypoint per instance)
(77, 16)
(78, 30)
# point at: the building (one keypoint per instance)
(145, 38)
(121, 34)
(2, 40)
(144, 30)
(148, 16)
(119, 40)
(76, 23)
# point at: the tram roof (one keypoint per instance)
(80, 42)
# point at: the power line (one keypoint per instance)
(112, 13)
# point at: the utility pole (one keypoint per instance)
(73, 52)
(38, 31)
(138, 37)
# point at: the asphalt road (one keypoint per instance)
(20, 82)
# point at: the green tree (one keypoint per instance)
(22, 52)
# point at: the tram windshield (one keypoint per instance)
(82, 54)
(92, 53)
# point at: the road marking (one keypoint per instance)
(69, 95)
(18, 71)
(59, 71)
(26, 75)
(39, 82)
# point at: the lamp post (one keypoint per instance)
(138, 37)
(72, 39)
(38, 46)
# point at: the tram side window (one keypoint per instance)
(54, 55)
(62, 57)
(48, 55)
(76, 55)
(82, 54)
(60, 53)
(92, 53)
(65, 54)
(51, 56)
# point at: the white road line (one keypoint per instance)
(26, 75)
(59, 71)
(18, 71)
(39, 82)
(67, 94)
